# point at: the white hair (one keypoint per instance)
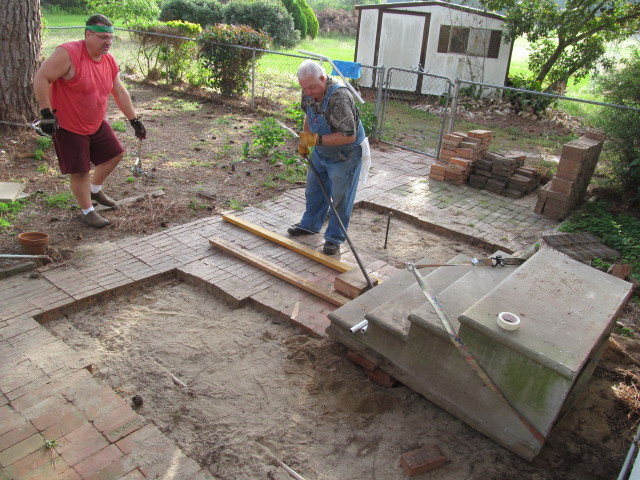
(309, 68)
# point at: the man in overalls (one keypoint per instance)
(332, 126)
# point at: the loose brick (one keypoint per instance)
(361, 360)
(422, 460)
(381, 378)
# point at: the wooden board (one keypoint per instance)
(279, 272)
(288, 243)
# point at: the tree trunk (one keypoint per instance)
(20, 41)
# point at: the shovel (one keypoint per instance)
(137, 164)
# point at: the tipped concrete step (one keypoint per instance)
(568, 309)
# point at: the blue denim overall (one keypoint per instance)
(339, 169)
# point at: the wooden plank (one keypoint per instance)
(286, 242)
(279, 272)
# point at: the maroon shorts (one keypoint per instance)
(77, 152)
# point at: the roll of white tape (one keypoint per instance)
(508, 321)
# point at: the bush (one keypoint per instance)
(313, 26)
(266, 16)
(528, 102)
(166, 56)
(299, 19)
(338, 22)
(622, 87)
(229, 67)
(202, 12)
(130, 11)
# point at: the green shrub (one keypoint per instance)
(130, 11)
(229, 67)
(268, 16)
(299, 19)
(622, 87)
(269, 136)
(166, 56)
(368, 118)
(313, 26)
(202, 12)
(523, 102)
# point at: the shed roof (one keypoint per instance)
(434, 3)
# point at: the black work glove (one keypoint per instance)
(49, 122)
(137, 125)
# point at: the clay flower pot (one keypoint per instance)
(34, 243)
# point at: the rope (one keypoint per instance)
(465, 352)
(33, 126)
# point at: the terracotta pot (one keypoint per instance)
(34, 243)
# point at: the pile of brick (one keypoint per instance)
(458, 154)
(504, 175)
(568, 187)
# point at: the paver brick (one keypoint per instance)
(21, 449)
(98, 461)
(16, 435)
(80, 444)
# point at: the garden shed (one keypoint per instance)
(439, 38)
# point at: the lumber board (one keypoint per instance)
(286, 242)
(281, 273)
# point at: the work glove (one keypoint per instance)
(49, 122)
(307, 140)
(140, 131)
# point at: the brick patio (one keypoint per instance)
(46, 389)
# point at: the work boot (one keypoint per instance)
(103, 199)
(93, 219)
(330, 248)
(296, 230)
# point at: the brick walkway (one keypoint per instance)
(46, 389)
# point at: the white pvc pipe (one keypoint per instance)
(360, 326)
(346, 82)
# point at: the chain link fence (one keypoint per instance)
(409, 109)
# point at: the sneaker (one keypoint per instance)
(296, 230)
(103, 199)
(93, 219)
(330, 248)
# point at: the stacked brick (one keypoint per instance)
(504, 175)
(458, 154)
(568, 187)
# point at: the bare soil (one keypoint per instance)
(257, 386)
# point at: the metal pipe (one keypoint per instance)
(7, 255)
(386, 235)
(633, 449)
(346, 82)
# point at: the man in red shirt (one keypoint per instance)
(72, 88)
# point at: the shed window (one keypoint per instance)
(476, 42)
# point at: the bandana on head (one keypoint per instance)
(99, 28)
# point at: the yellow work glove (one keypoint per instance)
(303, 149)
(308, 139)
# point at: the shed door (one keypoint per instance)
(401, 43)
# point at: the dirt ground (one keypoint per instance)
(257, 387)
(254, 384)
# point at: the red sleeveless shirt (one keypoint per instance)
(81, 102)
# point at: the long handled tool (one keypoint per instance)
(136, 168)
(327, 197)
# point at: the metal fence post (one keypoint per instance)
(454, 106)
(253, 79)
(378, 106)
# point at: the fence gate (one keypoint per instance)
(415, 109)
